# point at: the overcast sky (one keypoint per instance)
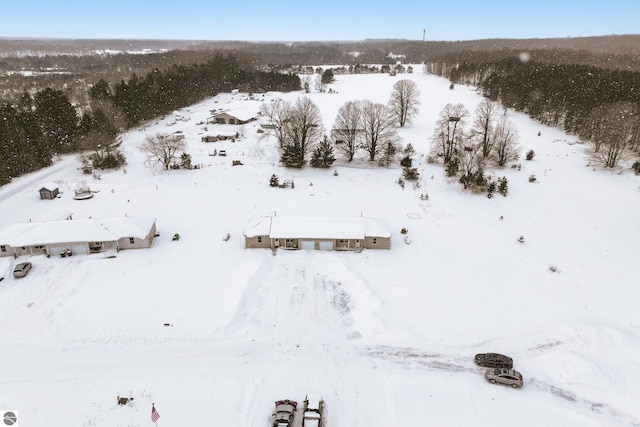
(285, 20)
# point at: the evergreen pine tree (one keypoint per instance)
(406, 162)
(274, 181)
(322, 156)
(388, 154)
(293, 156)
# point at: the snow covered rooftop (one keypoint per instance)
(49, 186)
(317, 227)
(79, 230)
(243, 113)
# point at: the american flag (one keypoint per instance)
(154, 414)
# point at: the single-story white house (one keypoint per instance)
(317, 233)
(80, 236)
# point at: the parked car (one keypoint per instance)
(283, 415)
(313, 409)
(504, 376)
(22, 269)
(494, 360)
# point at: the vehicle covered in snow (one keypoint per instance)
(313, 410)
(284, 413)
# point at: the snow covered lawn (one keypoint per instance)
(213, 333)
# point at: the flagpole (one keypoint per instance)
(154, 414)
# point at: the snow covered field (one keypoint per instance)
(386, 337)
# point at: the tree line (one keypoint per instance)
(599, 105)
(33, 129)
(360, 126)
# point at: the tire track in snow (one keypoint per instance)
(292, 300)
(412, 358)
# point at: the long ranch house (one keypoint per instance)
(80, 236)
(317, 233)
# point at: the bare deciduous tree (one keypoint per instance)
(618, 128)
(378, 128)
(347, 128)
(303, 128)
(482, 128)
(277, 114)
(162, 148)
(449, 132)
(505, 138)
(404, 101)
(471, 165)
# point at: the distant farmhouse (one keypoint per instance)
(236, 116)
(80, 236)
(317, 233)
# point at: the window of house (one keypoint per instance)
(220, 120)
(3, 248)
(131, 240)
(232, 121)
(259, 239)
(374, 241)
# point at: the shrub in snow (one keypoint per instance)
(503, 186)
(636, 168)
(274, 181)
(452, 168)
(185, 161)
(410, 174)
(553, 268)
(424, 197)
(530, 155)
(401, 182)
(532, 178)
(491, 189)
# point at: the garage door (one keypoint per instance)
(326, 246)
(308, 244)
(55, 250)
(79, 249)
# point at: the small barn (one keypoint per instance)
(318, 233)
(49, 191)
(80, 236)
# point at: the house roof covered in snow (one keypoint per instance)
(49, 186)
(244, 113)
(317, 227)
(77, 230)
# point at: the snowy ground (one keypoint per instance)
(387, 337)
